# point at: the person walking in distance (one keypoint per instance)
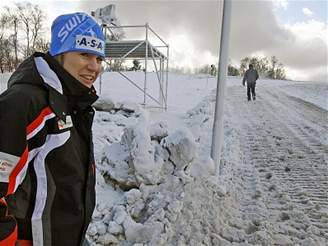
(250, 76)
(47, 166)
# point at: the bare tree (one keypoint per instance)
(9, 58)
(2, 56)
(42, 45)
(244, 64)
(37, 22)
(273, 67)
(6, 58)
(2, 38)
(21, 34)
(233, 71)
(24, 17)
(280, 71)
(263, 66)
(11, 21)
(31, 17)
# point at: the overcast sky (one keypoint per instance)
(294, 31)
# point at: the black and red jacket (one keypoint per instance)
(47, 178)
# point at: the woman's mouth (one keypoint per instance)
(88, 78)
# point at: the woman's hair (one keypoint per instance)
(60, 59)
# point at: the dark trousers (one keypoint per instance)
(251, 90)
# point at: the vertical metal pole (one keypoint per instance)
(163, 82)
(146, 58)
(161, 92)
(167, 77)
(217, 137)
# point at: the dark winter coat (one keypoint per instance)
(250, 76)
(47, 172)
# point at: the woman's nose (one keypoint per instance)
(93, 64)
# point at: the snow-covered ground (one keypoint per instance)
(156, 184)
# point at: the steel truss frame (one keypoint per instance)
(141, 49)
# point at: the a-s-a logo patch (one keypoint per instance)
(90, 43)
(64, 125)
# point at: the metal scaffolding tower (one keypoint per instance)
(143, 50)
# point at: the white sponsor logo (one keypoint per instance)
(90, 43)
(70, 25)
(62, 125)
(7, 164)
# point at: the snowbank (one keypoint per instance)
(148, 171)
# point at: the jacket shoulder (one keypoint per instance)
(28, 92)
(24, 98)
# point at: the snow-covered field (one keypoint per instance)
(156, 184)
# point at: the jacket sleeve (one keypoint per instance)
(13, 157)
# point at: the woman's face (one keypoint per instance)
(84, 67)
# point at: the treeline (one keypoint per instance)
(267, 68)
(21, 34)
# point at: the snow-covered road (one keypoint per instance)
(282, 178)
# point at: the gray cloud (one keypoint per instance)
(254, 28)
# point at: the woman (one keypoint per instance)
(47, 169)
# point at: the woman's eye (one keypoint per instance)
(85, 54)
